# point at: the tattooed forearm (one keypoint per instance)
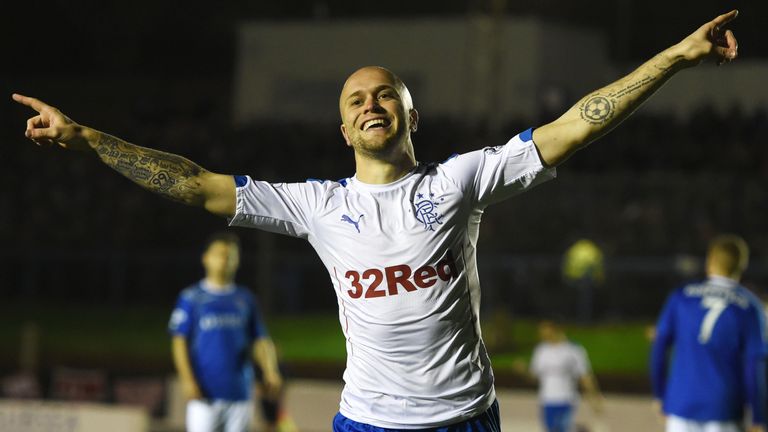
(623, 98)
(164, 173)
(597, 109)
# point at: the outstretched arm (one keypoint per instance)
(602, 110)
(167, 174)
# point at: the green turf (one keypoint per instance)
(87, 334)
(612, 348)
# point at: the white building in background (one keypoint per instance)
(479, 69)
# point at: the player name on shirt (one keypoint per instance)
(708, 290)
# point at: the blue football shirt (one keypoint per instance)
(220, 328)
(717, 329)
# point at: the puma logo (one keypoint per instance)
(356, 223)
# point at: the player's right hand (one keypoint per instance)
(50, 126)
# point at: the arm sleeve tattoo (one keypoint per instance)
(167, 174)
(601, 107)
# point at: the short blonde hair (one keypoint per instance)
(730, 252)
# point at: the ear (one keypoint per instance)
(413, 119)
(346, 137)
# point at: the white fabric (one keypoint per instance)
(402, 262)
(219, 416)
(559, 367)
(679, 424)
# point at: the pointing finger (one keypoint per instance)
(31, 102)
(725, 18)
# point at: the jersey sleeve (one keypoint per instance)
(283, 208)
(665, 328)
(180, 323)
(496, 173)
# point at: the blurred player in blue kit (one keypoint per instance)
(717, 330)
(399, 237)
(217, 332)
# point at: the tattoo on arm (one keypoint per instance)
(599, 108)
(167, 174)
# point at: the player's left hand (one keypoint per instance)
(711, 40)
(756, 428)
(272, 384)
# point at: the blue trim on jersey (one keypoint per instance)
(489, 421)
(451, 157)
(527, 134)
(557, 417)
(240, 180)
(343, 182)
(315, 180)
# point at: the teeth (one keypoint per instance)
(367, 125)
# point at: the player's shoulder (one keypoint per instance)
(692, 284)
(192, 293)
(245, 292)
(752, 300)
(470, 160)
(692, 288)
(576, 347)
(325, 189)
(313, 186)
(326, 184)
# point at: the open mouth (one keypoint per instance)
(378, 123)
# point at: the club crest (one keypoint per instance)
(426, 211)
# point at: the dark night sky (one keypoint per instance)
(159, 38)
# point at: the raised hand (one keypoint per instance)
(50, 126)
(711, 41)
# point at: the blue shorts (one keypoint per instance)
(486, 422)
(557, 418)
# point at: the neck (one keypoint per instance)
(720, 273)
(375, 169)
(217, 282)
(557, 338)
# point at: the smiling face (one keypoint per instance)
(376, 112)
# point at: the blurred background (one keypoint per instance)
(90, 265)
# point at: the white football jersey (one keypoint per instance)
(401, 257)
(559, 366)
